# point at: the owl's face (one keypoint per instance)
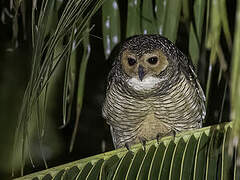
(147, 65)
(142, 60)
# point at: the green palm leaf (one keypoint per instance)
(196, 154)
(49, 49)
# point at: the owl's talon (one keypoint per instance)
(158, 137)
(127, 146)
(143, 142)
(173, 134)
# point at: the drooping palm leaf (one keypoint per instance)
(195, 34)
(172, 17)
(111, 25)
(218, 21)
(46, 57)
(133, 18)
(147, 23)
(81, 82)
(235, 91)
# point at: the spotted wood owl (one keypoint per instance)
(152, 91)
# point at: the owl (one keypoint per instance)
(152, 92)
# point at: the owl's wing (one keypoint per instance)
(110, 78)
(187, 68)
(113, 137)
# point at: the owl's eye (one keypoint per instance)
(152, 60)
(131, 61)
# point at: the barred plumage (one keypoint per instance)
(152, 89)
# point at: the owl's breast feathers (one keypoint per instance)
(177, 108)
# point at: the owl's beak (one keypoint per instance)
(141, 72)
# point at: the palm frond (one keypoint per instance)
(196, 154)
(133, 18)
(111, 26)
(46, 57)
(196, 28)
(235, 91)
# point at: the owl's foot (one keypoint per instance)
(127, 145)
(143, 142)
(171, 133)
(174, 133)
(158, 137)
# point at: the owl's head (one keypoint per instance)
(146, 61)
